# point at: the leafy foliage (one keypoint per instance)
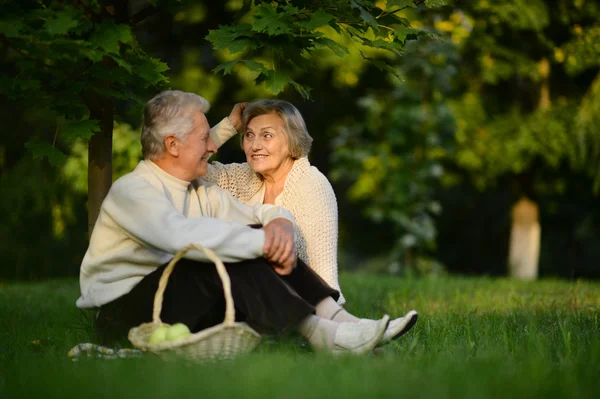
(286, 34)
(552, 121)
(392, 154)
(65, 55)
(524, 103)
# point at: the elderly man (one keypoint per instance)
(162, 206)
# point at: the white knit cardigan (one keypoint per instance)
(307, 194)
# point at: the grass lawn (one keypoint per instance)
(476, 338)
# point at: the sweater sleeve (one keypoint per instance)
(147, 216)
(233, 177)
(224, 206)
(319, 226)
(222, 132)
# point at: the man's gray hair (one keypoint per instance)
(299, 141)
(168, 113)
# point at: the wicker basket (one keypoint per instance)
(223, 341)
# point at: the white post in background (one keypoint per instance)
(525, 236)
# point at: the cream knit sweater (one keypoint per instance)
(148, 215)
(307, 194)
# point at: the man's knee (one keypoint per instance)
(258, 266)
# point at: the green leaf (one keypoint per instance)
(303, 90)
(255, 66)
(65, 20)
(109, 36)
(72, 130)
(123, 63)
(383, 66)
(275, 81)
(394, 47)
(239, 45)
(318, 19)
(267, 20)
(408, 33)
(27, 84)
(11, 28)
(290, 9)
(42, 149)
(226, 68)
(225, 36)
(393, 4)
(365, 15)
(151, 70)
(338, 49)
(393, 19)
(436, 3)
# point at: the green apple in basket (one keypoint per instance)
(178, 331)
(174, 333)
(159, 335)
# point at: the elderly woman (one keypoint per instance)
(276, 143)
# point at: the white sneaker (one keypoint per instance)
(399, 326)
(359, 338)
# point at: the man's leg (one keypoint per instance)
(191, 297)
(194, 296)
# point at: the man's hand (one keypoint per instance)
(235, 117)
(279, 248)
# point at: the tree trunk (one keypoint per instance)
(525, 238)
(100, 146)
(99, 157)
(525, 235)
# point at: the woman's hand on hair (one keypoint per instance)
(235, 117)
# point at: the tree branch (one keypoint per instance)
(142, 15)
(416, 2)
(24, 54)
(85, 7)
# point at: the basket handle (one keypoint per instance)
(164, 279)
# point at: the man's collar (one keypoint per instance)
(167, 176)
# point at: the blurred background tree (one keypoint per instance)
(527, 127)
(429, 142)
(391, 154)
(88, 50)
(522, 124)
(81, 64)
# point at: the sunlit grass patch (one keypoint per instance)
(476, 337)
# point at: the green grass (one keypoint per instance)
(475, 338)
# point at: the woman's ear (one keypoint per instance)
(172, 145)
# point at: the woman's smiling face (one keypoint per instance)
(266, 144)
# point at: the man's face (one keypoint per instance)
(196, 148)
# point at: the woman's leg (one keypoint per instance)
(309, 285)
(329, 309)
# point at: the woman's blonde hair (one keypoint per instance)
(299, 141)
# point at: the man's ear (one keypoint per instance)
(172, 145)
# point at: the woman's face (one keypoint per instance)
(266, 145)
